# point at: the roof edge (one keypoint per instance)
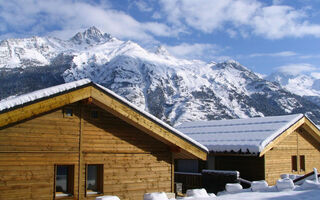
(280, 131)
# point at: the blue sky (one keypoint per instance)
(265, 36)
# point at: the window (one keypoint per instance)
(294, 163)
(64, 178)
(302, 163)
(94, 181)
(68, 112)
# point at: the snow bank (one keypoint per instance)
(233, 187)
(107, 198)
(309, 184)
(155, 196)
(197, 193)
(259, 186)
(285, 184)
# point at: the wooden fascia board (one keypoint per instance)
(312, 129)
(131, 116)
(278, 139)
(42, 106)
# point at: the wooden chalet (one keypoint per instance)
(259, 148)
(79, 140)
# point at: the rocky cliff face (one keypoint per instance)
(174, 90)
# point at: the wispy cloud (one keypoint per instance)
(64, 17)
(244, 16)
(295, 69)
(276, 54)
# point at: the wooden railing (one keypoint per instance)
(304, 177)
(188, 180)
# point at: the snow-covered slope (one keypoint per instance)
(175, 90)
(304, 85)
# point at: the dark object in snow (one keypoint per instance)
(214, 181)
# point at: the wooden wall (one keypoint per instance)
(29, 150)
(134, 162)
(250, 167)
(278, 159)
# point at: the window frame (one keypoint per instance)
(302, 163)
(294, 163)
(100, 177)
(70, 183)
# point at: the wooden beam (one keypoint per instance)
(143, 123)
(282, 136)
(43, 106)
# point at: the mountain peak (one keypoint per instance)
(161, 50)
(91, 35)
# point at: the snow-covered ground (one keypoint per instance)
(283, 190)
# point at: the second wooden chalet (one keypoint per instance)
(259, 148)
(80, 140)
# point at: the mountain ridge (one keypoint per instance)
(174, 90)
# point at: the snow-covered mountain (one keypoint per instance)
(304, 85)
(174, 90)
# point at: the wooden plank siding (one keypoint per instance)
(278, 159)
(134, 162)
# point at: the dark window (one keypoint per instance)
(302, 163)
(94, 179)
(68, 112)
(64, 180)
(294, 163)
(94, 114)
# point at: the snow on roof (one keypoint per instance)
(39, 94)
(252, 134)
(47, 92)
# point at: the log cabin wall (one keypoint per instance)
(280, 159)
(133, 162)
(30, 149)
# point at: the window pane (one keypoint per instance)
(62, 179)
(302, 163)
(294, 163)
(92, 180)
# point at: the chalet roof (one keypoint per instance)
(100, 92)
(250, 135)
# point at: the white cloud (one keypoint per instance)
(142, 6)
(64, 17)
(273, 22)
(193, 51)
(295, 69)
(277, 54)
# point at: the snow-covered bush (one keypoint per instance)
(155, 196)
(285, 184)
(259, 185)
(197, 193)
(233, 187)
(107, 198)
